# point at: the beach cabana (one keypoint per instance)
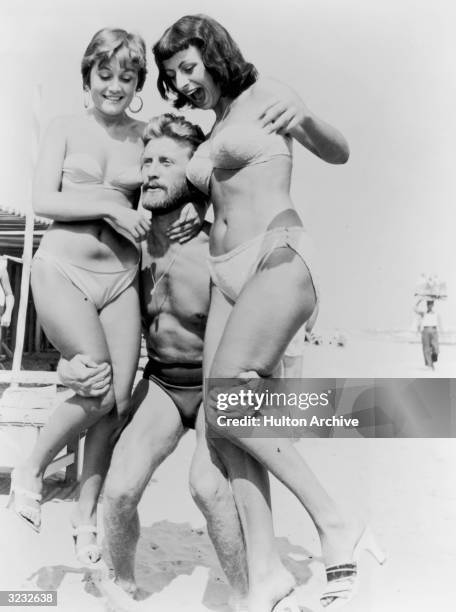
(12, 231)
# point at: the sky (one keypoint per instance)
(383, 73)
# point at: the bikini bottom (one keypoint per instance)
(231, 271)
(100, 288)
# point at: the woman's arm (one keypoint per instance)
(189, 223)
(49, 201)
(285, 112)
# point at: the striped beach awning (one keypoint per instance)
(12, 230)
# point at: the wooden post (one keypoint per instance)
(17, 294)
(23, 300)
(28, 248)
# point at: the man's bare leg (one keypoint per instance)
(150, 437)
(212, 494)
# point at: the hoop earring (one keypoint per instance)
(141, 104)
(86, 99)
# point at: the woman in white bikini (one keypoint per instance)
(84, 273)
(263, 291)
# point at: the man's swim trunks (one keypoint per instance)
(183, 382)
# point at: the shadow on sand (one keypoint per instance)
(168, 550)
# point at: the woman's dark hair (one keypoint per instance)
(108, 41)
(221, 56)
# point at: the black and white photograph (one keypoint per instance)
(227, 306)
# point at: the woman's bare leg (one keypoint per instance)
(258, 330)
(268, 580)
(120, 321)
(71, 323)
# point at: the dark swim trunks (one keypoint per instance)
(183, 382)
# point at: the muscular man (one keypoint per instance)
(174, 294)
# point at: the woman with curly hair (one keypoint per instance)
(261, 266)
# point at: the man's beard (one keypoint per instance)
(169, 202)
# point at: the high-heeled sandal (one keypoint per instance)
(90, 554)
(288, 604)
(30, 514)
(343, 579)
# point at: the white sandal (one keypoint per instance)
(343, 579)
(30, 514)
(90, 554)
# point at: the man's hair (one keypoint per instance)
(109, 41)
(175, 127)
(221, 56)
(183, 131)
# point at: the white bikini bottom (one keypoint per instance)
(99, 287)
(231, 271)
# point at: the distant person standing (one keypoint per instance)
(429, 325)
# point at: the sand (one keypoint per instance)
(377, 356)
(405, 489)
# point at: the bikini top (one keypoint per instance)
(233, 148)
(83, 169)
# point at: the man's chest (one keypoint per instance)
(176, 284)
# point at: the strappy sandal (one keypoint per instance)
(90, 554)
(343, 579)
(17, 501)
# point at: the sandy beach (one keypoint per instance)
(381, 73)
(377, 355)
(404, 488)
